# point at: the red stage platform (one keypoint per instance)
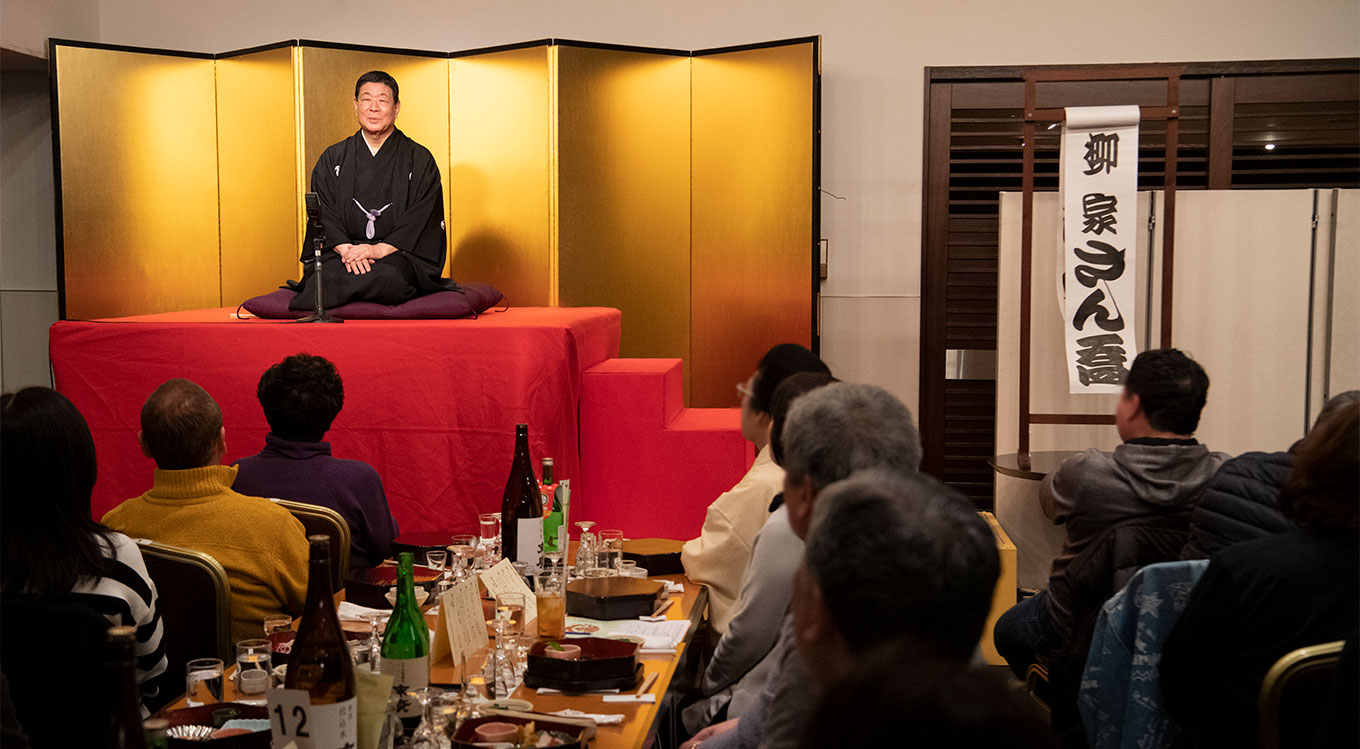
(432, 404)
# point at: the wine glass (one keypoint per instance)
(375, 620)
(514, 603)
(430, 733)
(437, 559)
(463, 547)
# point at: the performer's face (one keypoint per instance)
(374, 107)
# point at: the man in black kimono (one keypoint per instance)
(382, 207)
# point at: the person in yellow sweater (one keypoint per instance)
(718, 557)
(262, 547)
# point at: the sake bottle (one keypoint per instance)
(521, 508)
(125, 723)
(320, 662)
(552, 507)
(406, 643)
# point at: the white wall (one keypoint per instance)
(872, 104)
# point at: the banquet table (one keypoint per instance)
(431, 404)
(641, 720)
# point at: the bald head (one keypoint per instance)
(181, 426)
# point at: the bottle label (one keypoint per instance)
(293, 718)
(529, 542)
(407, 674)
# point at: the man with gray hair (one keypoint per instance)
(830, 433)
(891, 560)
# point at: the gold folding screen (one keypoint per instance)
(500, 173)
(677, 187)
(753, 211)
(623, 169)
(138, 177)
(257, 174)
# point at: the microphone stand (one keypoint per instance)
(319, 313)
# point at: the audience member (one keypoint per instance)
(50, 546)
(301, 396)
(736, 674)
(719, 556)
(889, 560)
(191, 504)
(1261, 599)
(830, 434)
(1160, 469)
(1241, 501)
(899, 697)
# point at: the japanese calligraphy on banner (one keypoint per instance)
(1098, 184)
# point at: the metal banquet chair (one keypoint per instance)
(327, 522)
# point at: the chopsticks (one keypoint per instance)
(663, 607)
(646, 684)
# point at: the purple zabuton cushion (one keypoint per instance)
(441, 305)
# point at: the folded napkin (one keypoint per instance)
(549, 690)
(674, 588)
(353, 612)
(603, 719)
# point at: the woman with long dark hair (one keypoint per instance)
(50, 547)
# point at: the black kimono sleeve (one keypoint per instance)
(326, 185)
(420, 227)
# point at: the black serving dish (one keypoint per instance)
(614, 597)
(603, 664)
(369, 586)
(464, 736)
(659, 556)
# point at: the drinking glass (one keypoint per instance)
(516, 633)
(552, 606)
(436, 559)
(489, 532)
(203, 681)
(430, 733)
(255, 655)
(627, 568)
(611, 550)
(462, 548)
(639, 571)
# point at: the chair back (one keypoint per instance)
(193, 598)
(327, 522)
(1294, 695)
(57, 647)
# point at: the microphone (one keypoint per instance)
(313, 203)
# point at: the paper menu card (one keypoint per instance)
(461, 628)
(502, 579)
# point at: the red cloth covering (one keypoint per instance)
(651, 466)
(431, 404)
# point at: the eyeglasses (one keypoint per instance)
(743, 391)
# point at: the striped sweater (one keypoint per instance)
(126, 596)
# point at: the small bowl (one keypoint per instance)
(496, 731)
(569, 652)
(421, 596)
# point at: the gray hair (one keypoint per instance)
(836, 430)
(903, 558)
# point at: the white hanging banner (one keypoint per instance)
(1098, 185)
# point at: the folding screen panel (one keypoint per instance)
(500, 176)
(623, 175)
(138, 181)
(754, 190)
(258, 174)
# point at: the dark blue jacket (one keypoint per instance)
(1240, 503)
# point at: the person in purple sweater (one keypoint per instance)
(301, 396)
